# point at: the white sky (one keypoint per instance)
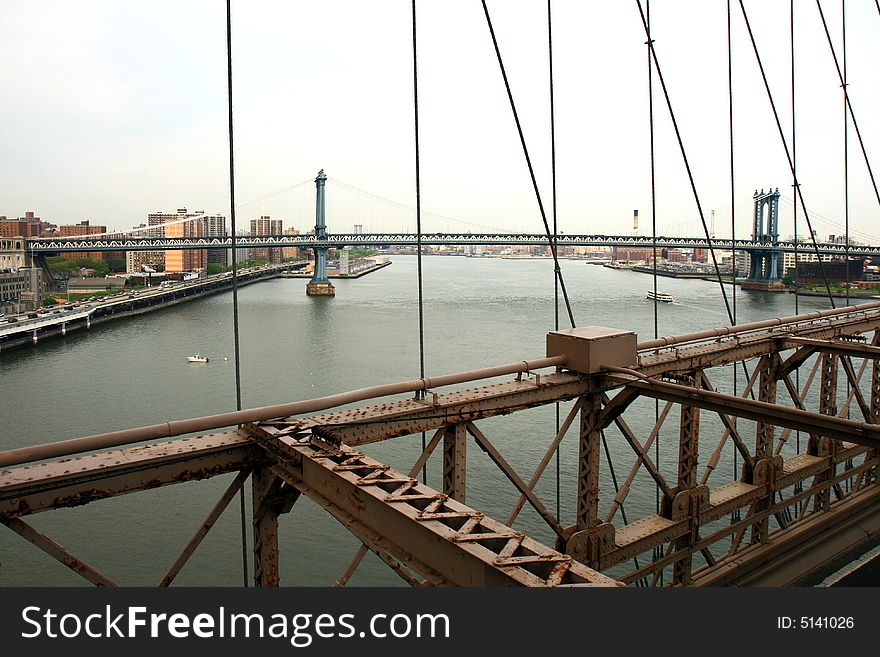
(113, 109)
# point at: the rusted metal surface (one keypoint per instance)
(444, 540)
(57, 552)
(76, 481)
(455, 461)
(711, 528)
(204, 528)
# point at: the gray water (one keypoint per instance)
(478, 313)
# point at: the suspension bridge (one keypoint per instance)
(785, 512)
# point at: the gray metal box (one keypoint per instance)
(589, 347)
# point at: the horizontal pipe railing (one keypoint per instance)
(753, 326)
(206, 423)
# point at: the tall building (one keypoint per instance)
(179, 260)
(215, 226)
(290, 252)
(264, 226)
(182, 223)
(136, 260)
(82, 229)
(26, 226)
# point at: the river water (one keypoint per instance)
(479, 312)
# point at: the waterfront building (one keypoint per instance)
(21, 289)
(262, 227)
(290, 252)
(215, 226)
(84, 229)
(181, 223)
(27, 226)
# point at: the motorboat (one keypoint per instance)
(197, 358)
(659, 296)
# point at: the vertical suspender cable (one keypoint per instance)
(522, 140)
(418, 220)
(797, 188)
(852, 114)
(244, 559)
(684, 158)
(845, 153)
(556, 272)
(653, 225)
(732, 202)
(794, 182)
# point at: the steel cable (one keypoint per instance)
(687, 166)
(847, 101)
(556, 272)
(244, 559)
(522, 139)
(418, 220)
(797, 186)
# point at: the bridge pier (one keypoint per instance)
(763, 274)
(320, 285)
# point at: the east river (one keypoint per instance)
(479, 312)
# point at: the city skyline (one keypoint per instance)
(120, 110)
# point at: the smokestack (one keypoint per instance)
(635, 222)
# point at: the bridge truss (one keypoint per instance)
(780, 516)
(54, 246)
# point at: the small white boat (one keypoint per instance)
(660, 296)
(197, 358)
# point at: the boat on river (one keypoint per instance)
(660, 296)
(197, 358)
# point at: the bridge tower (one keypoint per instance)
(763, 269)
(320, 285)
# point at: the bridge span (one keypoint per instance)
(53, 246)
(781, 515)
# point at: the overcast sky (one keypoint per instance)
(114, 109)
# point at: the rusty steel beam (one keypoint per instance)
(861, 433)
(839, 347)
(685, 505)
(455, 461)
(856, 391)
(368, 424)
(271, 497)
(414, 470)
(57, 552)
(764, 431)
(71, 482)
(204, 528)
(826, 446)
(444, 540)
(587, 508)
(545, 460)
(515, 479)
(641, 458)
(738, 329)
(731, 349)
(730, 431)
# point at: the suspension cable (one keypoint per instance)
(687, 165)
(244, 559)
(847, 101)
(522, 139)
(787, 153)
(418, 220)
(732, 202)
(794, 182)
(556, 272)
(653, 224)
(845, 153)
